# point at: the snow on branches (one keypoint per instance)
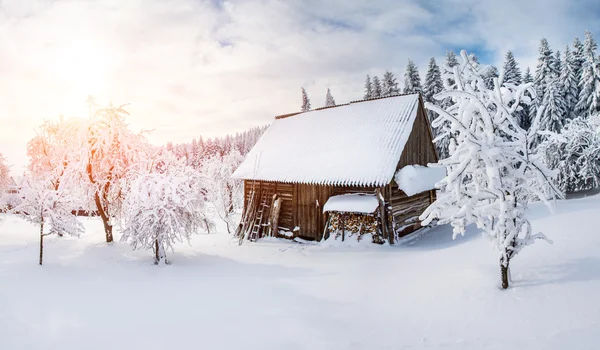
(491, 171)
(575, 153)
(164, 205)
(50, 208)
(4, 174)
(106, 150)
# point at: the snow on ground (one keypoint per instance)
(431, 293)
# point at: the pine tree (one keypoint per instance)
(511, 73)
(433, 81)
(377, 89)
(527, 77)
(412, 80)
(544, 74)
(525, 121)
(578, 61)
(329, 101)
(390, 85)
(589, 97)
(553, 117)
(489, 74)
(305, 102)
(557, 61)
(568, 84)
(447, 70)
(368, 89)
(433, 86)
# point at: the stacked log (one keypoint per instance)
(354, 226)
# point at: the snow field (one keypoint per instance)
(431, 293)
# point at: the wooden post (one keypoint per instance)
(383, 217)
(343, 225)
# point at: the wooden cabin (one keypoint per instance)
(303, 159)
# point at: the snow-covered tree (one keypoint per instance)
(390, 84)
(568, 84)
(578, 61)
(525, 114)
(589, 96)
(450, 62)
(554, 109)
(4, 174)
(50, 209)
(489, 74)
(575, 153)
(4, 180)
(491, 171)
(511, 73)
(368, 88)
(443, 132)
(433, 86)
(305, 102)
(164, 205)
(104, 153)
(377, 88)
(222, 191)
(329, 101)
(412, 80)
(545, 74)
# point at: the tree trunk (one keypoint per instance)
(104, 217)
(41, 241)
(156, 253)
(504, 274)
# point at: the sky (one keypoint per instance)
(188, 68)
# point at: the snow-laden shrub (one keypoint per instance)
(163, 205)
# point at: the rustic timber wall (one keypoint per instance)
(420, 150)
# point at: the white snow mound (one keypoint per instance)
(352, 203)
(413, 179)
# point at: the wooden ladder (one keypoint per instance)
(263, 213)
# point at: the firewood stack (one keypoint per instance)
(352, 225)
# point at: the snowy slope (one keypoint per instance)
(442, 294)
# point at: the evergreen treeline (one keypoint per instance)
(200, 149)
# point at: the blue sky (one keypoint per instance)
(193, 67)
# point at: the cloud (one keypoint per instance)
(192, 68)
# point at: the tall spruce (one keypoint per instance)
(544, 74)
(525, 121)
(578, 61)
(329, 101)
(305, 102)
(589, 96)
(444, 133)
(568, 83)
(390, 84)
(511, 73)
(412, 80)
(489, 75)
(368, 88)
(377, 89)
(433, 85)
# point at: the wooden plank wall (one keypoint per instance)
(420, 150)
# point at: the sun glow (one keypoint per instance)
(81, 66)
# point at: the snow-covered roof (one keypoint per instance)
(357, 144)
(413, 179)
(352, 203)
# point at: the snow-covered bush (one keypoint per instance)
(490, 166)
(222, 191)
(163, 205)
(575, 153)
(49, 208)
